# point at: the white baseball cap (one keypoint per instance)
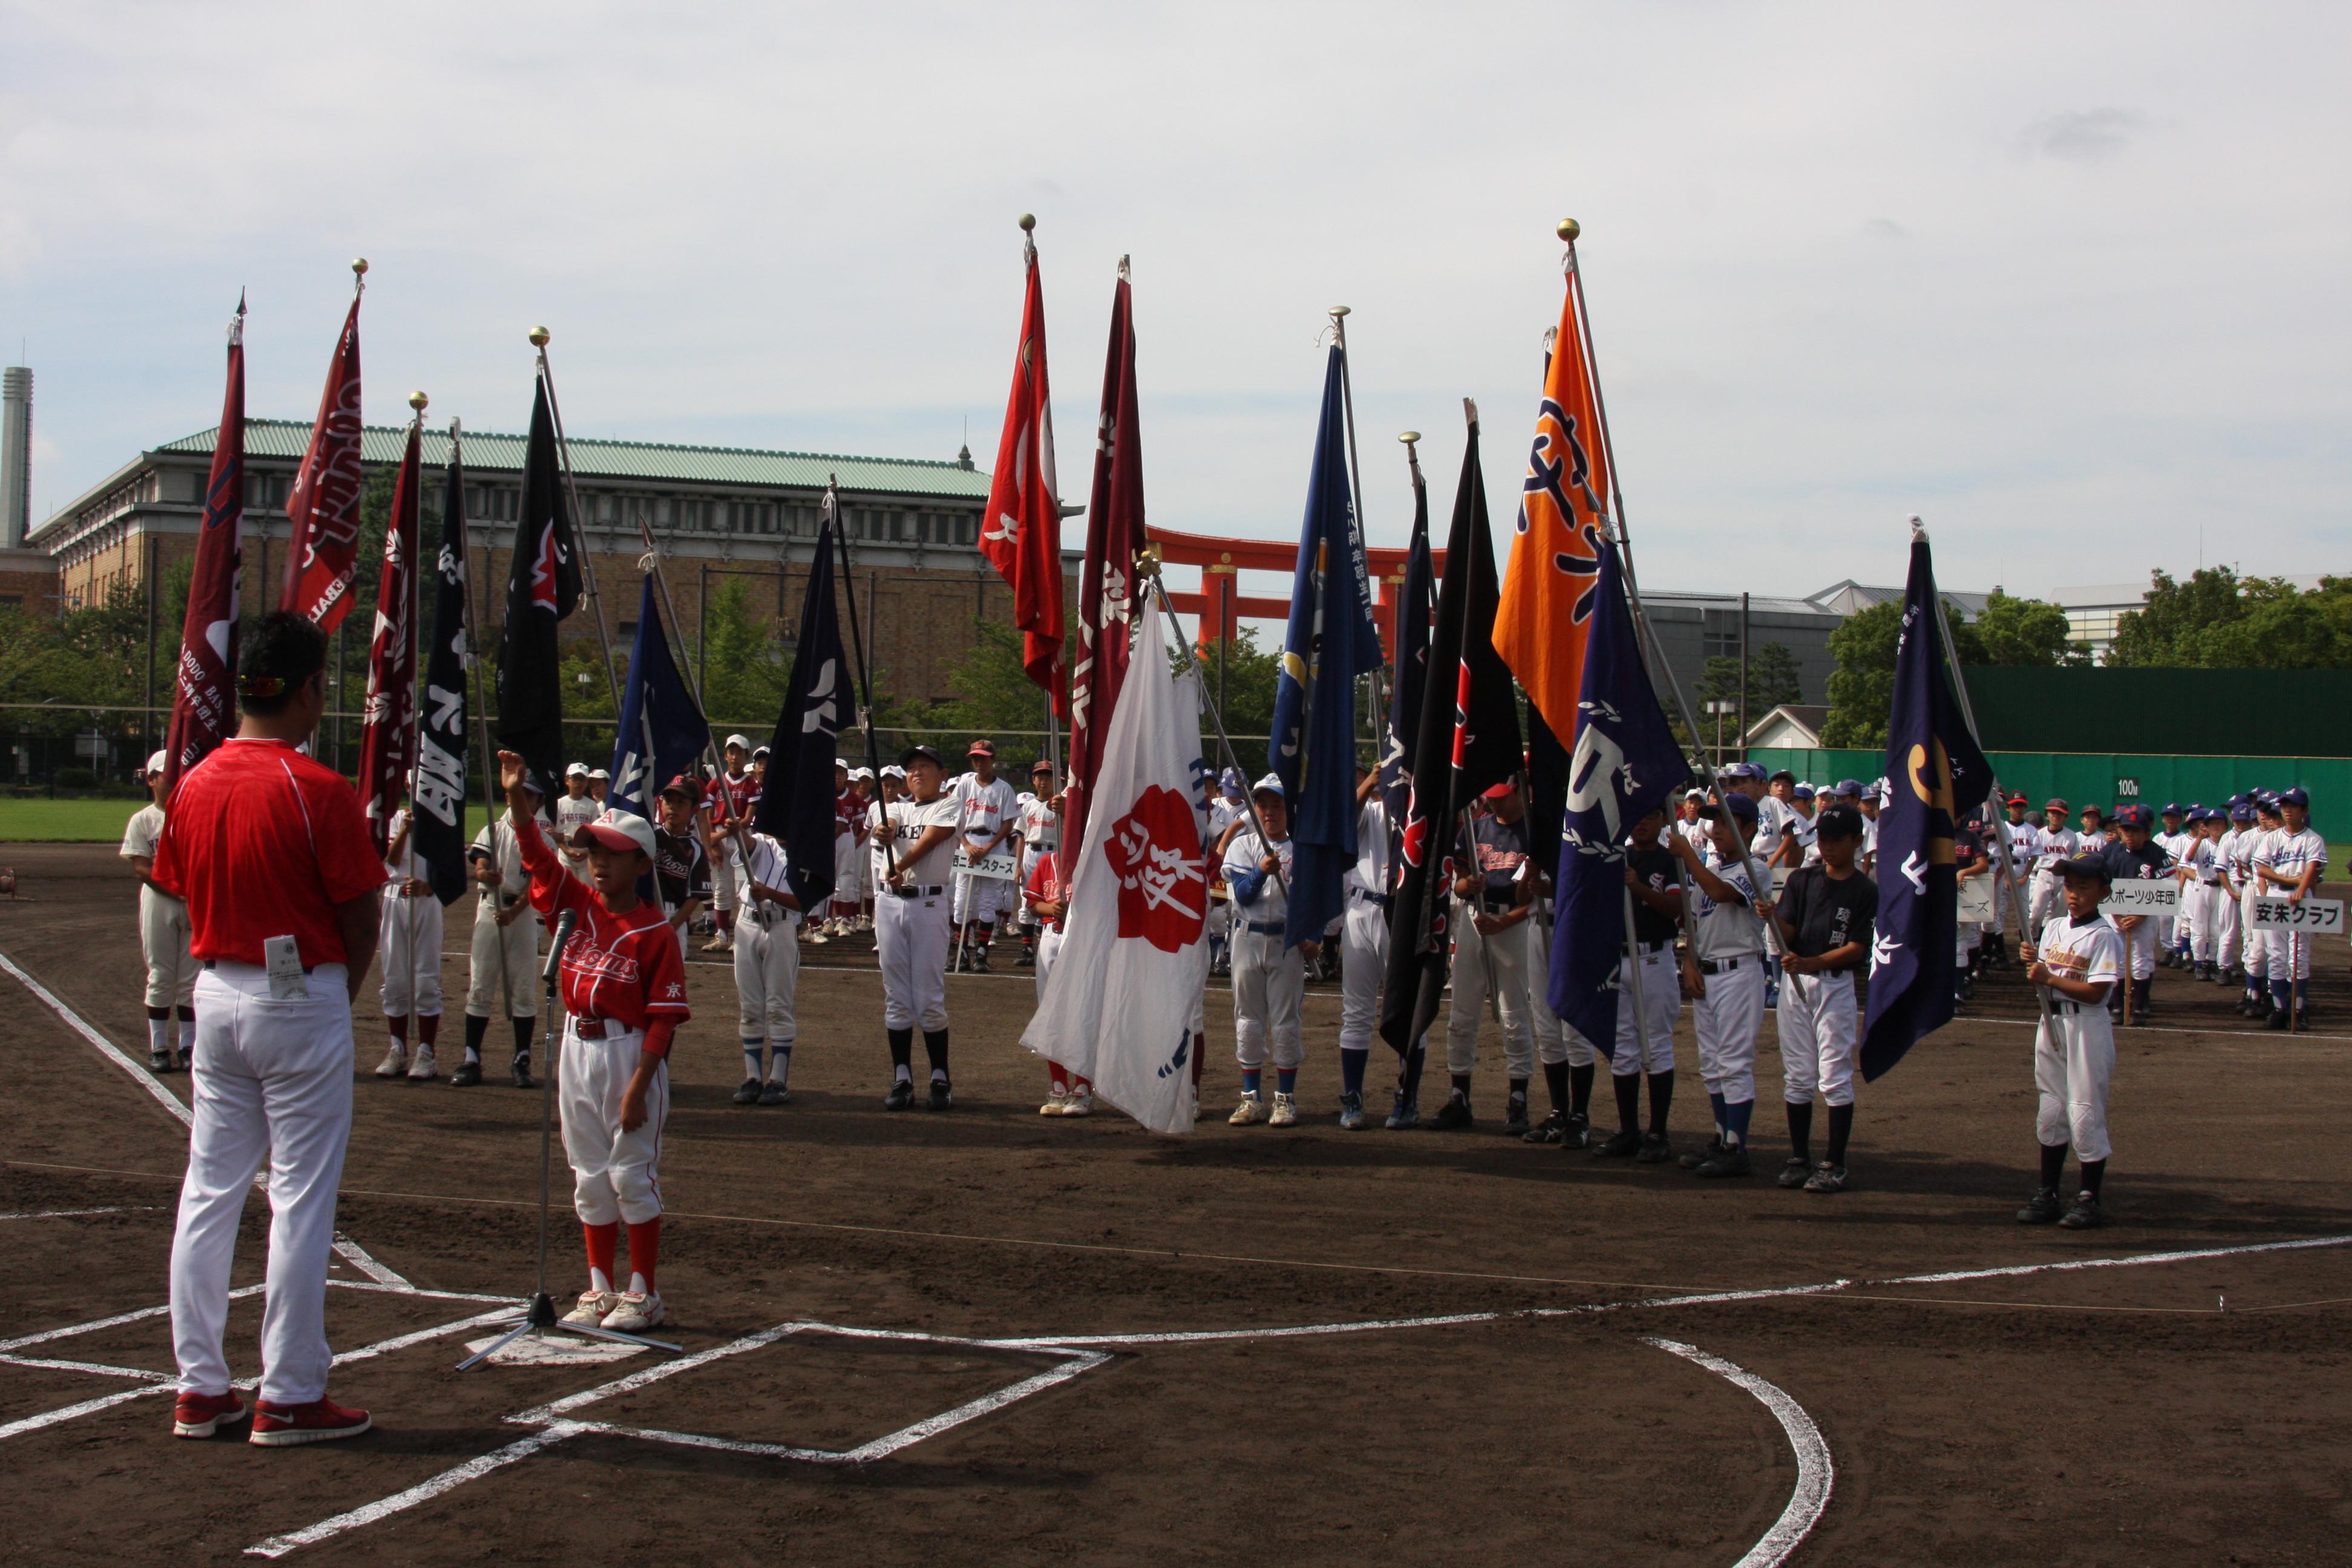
(894, 771)
(577, 770)
(739, 741)
(600, 773)
(617, 830)
(156, 763)
(861, 772)
(1271, 782)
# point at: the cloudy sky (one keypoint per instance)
(2071, 280)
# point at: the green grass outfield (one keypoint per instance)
(99, 821)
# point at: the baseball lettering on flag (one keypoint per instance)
(543, 587)
(1551, 583)
(1114, 533)
(797, 805)
(1118, 1005)
(322, 552)
(204, 697)
(439, 791)
(1021, 533)
(387, 717)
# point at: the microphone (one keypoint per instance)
(563, 924)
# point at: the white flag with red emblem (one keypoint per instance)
(1122, 996)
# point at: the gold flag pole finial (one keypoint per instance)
(539, 336)
(1028, 222)
(1569, 230)
(417, 401)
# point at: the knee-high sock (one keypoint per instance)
(1555, 1080)
(428, 1028)
(902, 1053)
(755, 1057)
(603, 1240)
(1800, 1131)
(1351, 1070)
(1581, 1089)
(935, 1046)
(1629, 1100)
(476, 1030)
(780, 1063)
(1736, 1115)
(1840, 1129)
(2053, 1165)
(523, 1029)
(644, 1252)
(1661, 1099)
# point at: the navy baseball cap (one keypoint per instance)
(2242, 813)
(2137, 816)
(2172, 809)
(1850, 789)
(1740, 771)
(1802, 792)
(2086, 865)
(2297, 796)
(928, 753)
(1740, 806)
(1780, 773)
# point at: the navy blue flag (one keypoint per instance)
(1411, 677)
(1330, 644)
(543, 587)
(662, 732)
(1624, 765)
(797, 803)
(1935, 773)
(439, 831)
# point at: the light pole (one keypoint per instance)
(1719, 709)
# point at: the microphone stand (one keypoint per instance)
(538, 1313)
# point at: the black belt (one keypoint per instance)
(1264, 928)
(1725, 965)
(1366, 895)
(920, 892)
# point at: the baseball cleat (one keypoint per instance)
(1249, 1112)
(468, 1075)
(1655, 1150)
(1550, 1129)
(1826, 1178)
(1080, 1102)
(902, 1096)
(1692, 1161)
(1453, 1114)
(1351, 1111)
(1621, 1145)
(522, 1078)
(749, 1093)
(200, 1414)
(1057, 1102)
(1515, 1116)
(1731, 1160)
(942, 1097)
(2043, 1208)
(1577, 1134)
(421, 1065)
(320, 1421)
(2086, 1213)
(161, 1061)
(1405, 1114)
(1795, 1173)
(593, 1307)
(187, 1061)
(717, 944)
(773, 1093)
(1285, 1112)
(635, 1313)
(815, 936)
(394, 1063)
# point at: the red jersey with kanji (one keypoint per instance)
(262, 841)
(1045, 885)
(730, 797)
(621, 967)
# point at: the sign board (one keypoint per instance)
(1004, 866)
(2127, 789)
(2312, 917)
(1976, 899)
(2142, 897)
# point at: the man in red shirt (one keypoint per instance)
(269, 852)
(624, 991)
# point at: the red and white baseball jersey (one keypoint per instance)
(1045, 885)
(849, 815)
(626, 967)
(262, 841)
(730, 796)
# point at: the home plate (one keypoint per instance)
(554, 1349)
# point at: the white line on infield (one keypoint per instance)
(77, 1213)
(422, 1491)
(1816, 1473)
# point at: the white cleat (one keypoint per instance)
(1249, 1112)
(594, 1307)
(1081, 1103)
(1286, 1111)
(395, 1063)
(635, 1313)
(1057, 1102)
(420, 1066)
(817, 938)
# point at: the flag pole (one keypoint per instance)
(1147, 572)
(2001, 838)
(539, 336)
(865, 678)
(481, 707)
(1356, 480)
(415, 607)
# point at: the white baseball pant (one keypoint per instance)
(1049, 948)
(1726, 1021)
(2049, 904)
(1661, 1004)
(848, 861)
(164, 943)
(979, 900)
(1363, 956)
(506, 956)
(2285, 958)
(1557, 1040)
(2072, 1071)
(912, 935)
(1269, 994)
(1502, 960)
(2139, 947)
(723, 877)
(2255, 941)
(272, 1078)
(2204, 903)
(409, 956)
(1817, 1029)
(615, 1174)
(767, 973)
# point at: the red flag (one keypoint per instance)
(1115, 532)
(204, 701)
(388, 719)
(1021, 533)
(1551, 585)
(323, 551)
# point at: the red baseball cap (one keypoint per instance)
(1499, 791)
(617, 830)
(981, 749)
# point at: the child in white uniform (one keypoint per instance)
(2079, 959)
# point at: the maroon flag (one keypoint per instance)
(1021, 533)
(388, 719)
(323, 551)
(204, 703)
(1115, 532)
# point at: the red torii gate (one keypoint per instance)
(1220, 606)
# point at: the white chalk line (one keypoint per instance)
(422, 1491)
(97, 1323)
(1816, 1472)
(78, 1214)
(352, 1250)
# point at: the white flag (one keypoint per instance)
(1124, 993)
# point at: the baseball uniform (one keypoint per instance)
(163, 943)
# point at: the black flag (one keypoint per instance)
(1468, 739)
(1411, 659)
(439, 795)
(797, 805)
(542, 588)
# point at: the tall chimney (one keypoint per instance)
(15, 456)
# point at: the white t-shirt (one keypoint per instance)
(498, 841)
(1732, 928)
(909, 819)
(2090, 950)
(571, 816)
(408, 862)
(1242, 857)
(2057, 846)
(1370, 871)
(767, 864)
(139, 835)
(986, 807)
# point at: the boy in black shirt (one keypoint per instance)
(1823, 917)
(1646, 1027)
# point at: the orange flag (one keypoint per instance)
(1550, 587)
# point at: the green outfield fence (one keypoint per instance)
(2116, 778)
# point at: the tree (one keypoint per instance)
(2218, 620)
(1862, 687)
(744, 668)
(1772, 679)
(2027, 632)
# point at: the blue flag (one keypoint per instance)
(662, 730)
(1935, 774)
(1622, 767)
(1331, 642)
(1416, 607)
(796, 803)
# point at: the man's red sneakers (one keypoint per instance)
(196, 1415)
(320, 1421)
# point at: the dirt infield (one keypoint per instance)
(845, 1283)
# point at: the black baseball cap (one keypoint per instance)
(925, 753)
(1839, 822)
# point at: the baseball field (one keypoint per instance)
(985, 1337)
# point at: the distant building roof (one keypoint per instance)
(1796, 724)
(596, 458)
(1851, 597)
